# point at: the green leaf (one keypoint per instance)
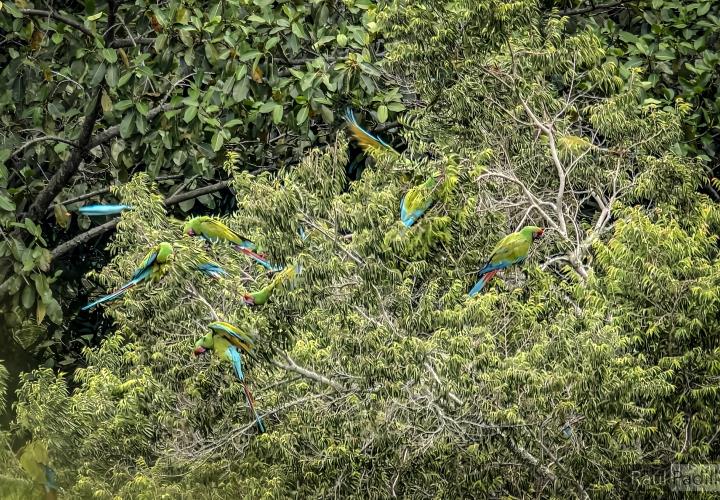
(298, 30)
(123, 105)
(267, 107)
(186, 38)
(106, 102)
(302, 115)
(110, 55)
(190, 114)
(341, 39)
(6, 203)
(143, 107)
(277, 114)
(54, 312)
(111, 76)
(327, 114)
(28, 297)
(10, 7)
(703, 9)
(127, 125)
(382, 114)
(217, 141)
(94, 17)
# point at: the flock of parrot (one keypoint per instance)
(229, 341)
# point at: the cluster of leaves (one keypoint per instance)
(677, 46)
(377, 375)
(91, 96)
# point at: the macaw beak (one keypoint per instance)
(249, 300)
(199, 350)
(539, 234)
(189, 232)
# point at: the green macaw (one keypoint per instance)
(212, 230)
(228, 340)
(512, 249)
(35, 461)
(152, 269)
(261, 297)
(417, 201)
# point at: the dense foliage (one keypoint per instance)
(677, 46)
(91, 97)
(585, 372)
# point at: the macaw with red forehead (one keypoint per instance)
(512, 249)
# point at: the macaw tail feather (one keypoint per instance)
(251, 404)
(112, 296)
(97, 210)
(212, 270)
(366, 140)
(260, 259)
(485, 278)
(236, 359)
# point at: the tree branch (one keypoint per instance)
(42, 139)
(82, 238)
(593, 8)
(114, 131)
(58, 17)
(294, 367)
(121, 43)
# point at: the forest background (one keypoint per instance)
(586, 372)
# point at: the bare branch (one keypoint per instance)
(559, 199)
(114, 131)
(59, 17)
(292, 366)
(42, 139)
(594, 8)
(121, 43)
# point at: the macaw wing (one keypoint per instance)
(146, 263)
(366, 140)
(217, 230)
(403, 209)
(233, 335)
(511, 249)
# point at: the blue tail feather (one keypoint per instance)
(478, 286)
(98, 210)
(236, 358)
(213, 270)
(120, 291)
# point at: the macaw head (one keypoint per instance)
(188, 229)
(533, 231)
(248, 299)
(204, 343)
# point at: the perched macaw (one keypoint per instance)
(35, 462)
(212, 269)
(417, 201)
(261, 297)
(366, 140)
(97, 210)
(212, 230)
(228, 340)
(152, 268)
(512, 249)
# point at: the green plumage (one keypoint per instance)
(213, 230)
